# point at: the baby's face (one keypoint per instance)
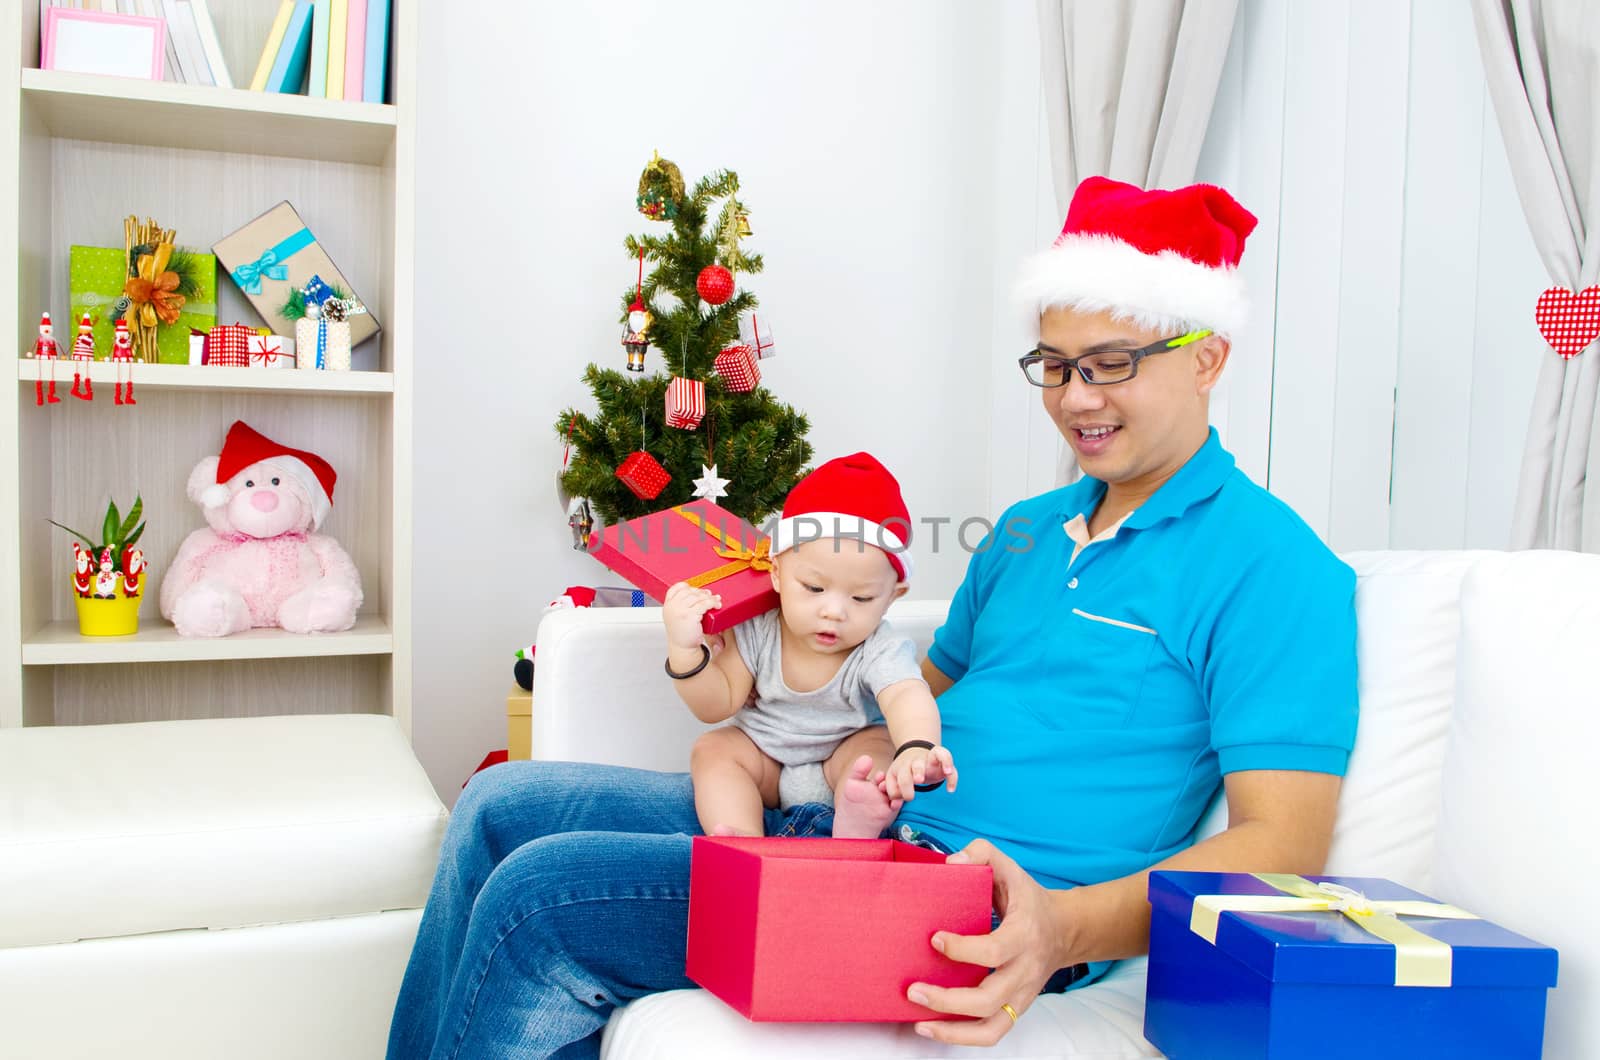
(834, 591)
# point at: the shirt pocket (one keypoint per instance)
(1112, 655)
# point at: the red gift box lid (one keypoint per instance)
(678, 544)
(828, 929)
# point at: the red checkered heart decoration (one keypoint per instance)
(1569, 322)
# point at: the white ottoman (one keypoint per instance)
(239, 887)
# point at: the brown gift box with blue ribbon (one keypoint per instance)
(276, 254)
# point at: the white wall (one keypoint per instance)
(894, 158)
(1385, 387)
(865, 139)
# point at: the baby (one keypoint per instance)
(816, 665)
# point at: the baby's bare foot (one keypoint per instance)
(860, 808)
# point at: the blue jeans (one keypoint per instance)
(562, 892)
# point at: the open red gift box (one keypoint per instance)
(828, 929)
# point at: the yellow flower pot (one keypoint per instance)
(118, 617)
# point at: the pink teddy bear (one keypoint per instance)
(261, 563)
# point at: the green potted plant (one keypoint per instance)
(109, 577)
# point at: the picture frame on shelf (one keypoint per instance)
(98, 42)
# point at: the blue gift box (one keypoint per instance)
(1300, 976)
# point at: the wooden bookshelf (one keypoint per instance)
(77, 154)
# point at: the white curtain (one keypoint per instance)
(1128, 91)
(1542, 59)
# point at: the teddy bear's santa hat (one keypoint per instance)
(245, 446)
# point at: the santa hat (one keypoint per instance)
(122, 325)
(44, 321)
(852, 496)
(245, 446)
(85, 324)
(1163, 260)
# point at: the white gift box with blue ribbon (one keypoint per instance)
(1272, 966)
(276, 254)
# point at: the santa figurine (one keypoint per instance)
(45, 349)
(105, 583)
(132, 570)
(122, 357)
(82, 579)
(82, 357)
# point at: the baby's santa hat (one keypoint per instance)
(852, 496)
(245, 446)
(1163, 260)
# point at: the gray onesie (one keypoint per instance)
(799, 730)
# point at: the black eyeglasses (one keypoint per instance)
(1097, 369)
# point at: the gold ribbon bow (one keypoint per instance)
(1419, 960)
(155, 289)
(739, 558)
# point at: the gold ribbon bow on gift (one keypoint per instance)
(155, 289)
(1419, 960)
(739, 558)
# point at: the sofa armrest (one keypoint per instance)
(599, 693)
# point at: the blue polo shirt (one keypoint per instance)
(1098, 701)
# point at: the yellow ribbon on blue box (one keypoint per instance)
(1419, 960)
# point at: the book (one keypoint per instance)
(317, 84)
(176, 60)
(289, 68)
(338, 14)
(269, 52)
(377, 59)
(355, 49)
(210, 44)
(189, 46)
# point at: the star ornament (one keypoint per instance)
(709, 486)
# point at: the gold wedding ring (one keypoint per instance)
(1009, 1011)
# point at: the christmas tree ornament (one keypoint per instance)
(660, 189)
(686, 403)
(82, 358)
(1569, 322)
(643, 475)
(715, 284)
(736, 364)
(755, 331)
(580, 520)
(742, 224)
(45, 349)
(709, 486)
(122, 358)
(634, 329)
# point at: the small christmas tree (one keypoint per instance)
(688, 308)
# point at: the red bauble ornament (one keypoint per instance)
(715, 284)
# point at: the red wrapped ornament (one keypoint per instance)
(715, 284)
(736, 364)
(686, 403)
(643, 475)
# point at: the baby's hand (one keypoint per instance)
(681, 612)
(918, 765)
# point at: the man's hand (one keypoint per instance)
(1024, 951)
(681, 612)
(918, 765)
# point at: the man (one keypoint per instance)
(1119, 648)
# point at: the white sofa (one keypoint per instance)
(1472, 780)
(190, 890)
